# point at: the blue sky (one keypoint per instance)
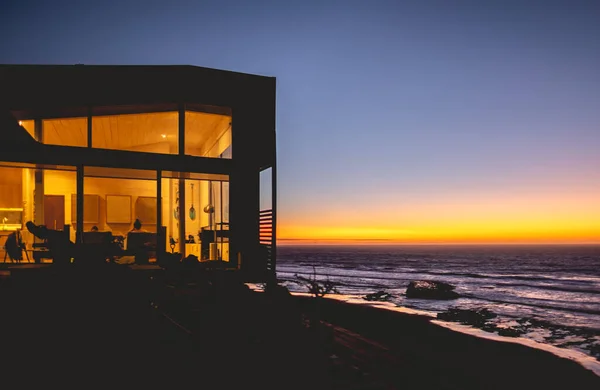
(398, 105)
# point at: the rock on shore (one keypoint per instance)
(430, 289)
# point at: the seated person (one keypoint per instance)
(137, 227)
(94, 236)
(140, 243)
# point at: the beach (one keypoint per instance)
(544, 296)
(121, 327)
(422, 353)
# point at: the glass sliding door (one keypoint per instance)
(195, 210)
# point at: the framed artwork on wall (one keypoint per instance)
(145, 209)
(118, 209)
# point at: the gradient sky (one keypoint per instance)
(411, 121)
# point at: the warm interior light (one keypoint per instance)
(163, 135)
(20, 123)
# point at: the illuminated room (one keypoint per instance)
(114, 198)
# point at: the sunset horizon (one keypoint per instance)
(550, 234)
(395, 241)
(358, 242)
(552, 223)
(301, 194)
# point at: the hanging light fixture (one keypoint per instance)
(192, 209)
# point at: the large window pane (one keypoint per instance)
(12, 199)
(141, 204)
(65, 131)
(37, 195)
(204, 217)
(216, 231)
(149, 132)
(56, 204)
(207, 134)
(42, 196)
(113, 203)
(266, 189)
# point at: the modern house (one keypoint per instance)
(188, 151)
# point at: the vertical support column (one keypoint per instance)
(79, 231)
(181, 152)
(160, 236)
(158, 199)
(89, 127)
(221, 208)
(182, 212)
(38, 187)
(274, 217)
(38, 197)
(181, 134)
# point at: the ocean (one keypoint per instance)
(548, 294)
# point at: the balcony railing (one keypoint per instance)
(266, 238)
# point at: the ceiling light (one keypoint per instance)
(20, 123)
(163, 135)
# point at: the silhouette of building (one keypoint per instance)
(184, 149)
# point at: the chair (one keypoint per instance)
(97, 237)
(99, 245)
(141, 245)
(14, 247)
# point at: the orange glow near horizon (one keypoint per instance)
(438, 235)
(559, 219)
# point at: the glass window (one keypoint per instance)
(266, 189)
(42, 196)
(11, 192)
(56, 200)
(109, 189)
(204, 217)
(65, 132)
(29, 126)
(207, 134)
(114, 202)
(155, 132)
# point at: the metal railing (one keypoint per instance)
(266, 238)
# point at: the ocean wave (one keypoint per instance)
(375, 274)
(373, 284)
(341, 284)
(571, 309)
(552, 288)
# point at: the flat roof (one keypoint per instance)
(117, 68)
(31, 86)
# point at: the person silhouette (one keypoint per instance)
(141, 248)
(137, 227)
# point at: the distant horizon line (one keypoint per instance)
(307, 241)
